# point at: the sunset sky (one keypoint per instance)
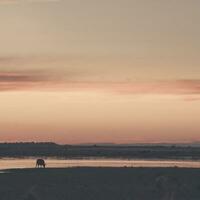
(84, 71)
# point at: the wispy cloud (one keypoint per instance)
(18, 77)
(27, 1)
(176, 87)
(20, 81)
(26, 73)
(190, 89)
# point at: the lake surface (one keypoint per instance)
(6, 163)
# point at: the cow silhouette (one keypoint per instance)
(40, 163)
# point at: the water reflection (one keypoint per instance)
(61, 163)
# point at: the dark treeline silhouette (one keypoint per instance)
(109, 151)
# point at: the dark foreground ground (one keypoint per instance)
(101, 184)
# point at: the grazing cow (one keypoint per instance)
(40, 163)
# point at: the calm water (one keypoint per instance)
(58, 163)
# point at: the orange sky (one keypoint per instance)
(99, 71)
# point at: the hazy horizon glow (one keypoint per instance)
(99, 71)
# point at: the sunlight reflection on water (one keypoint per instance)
(6, 163)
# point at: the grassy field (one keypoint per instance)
(101, 184)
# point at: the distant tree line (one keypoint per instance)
(80, 151)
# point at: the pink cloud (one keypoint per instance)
(16, 80)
